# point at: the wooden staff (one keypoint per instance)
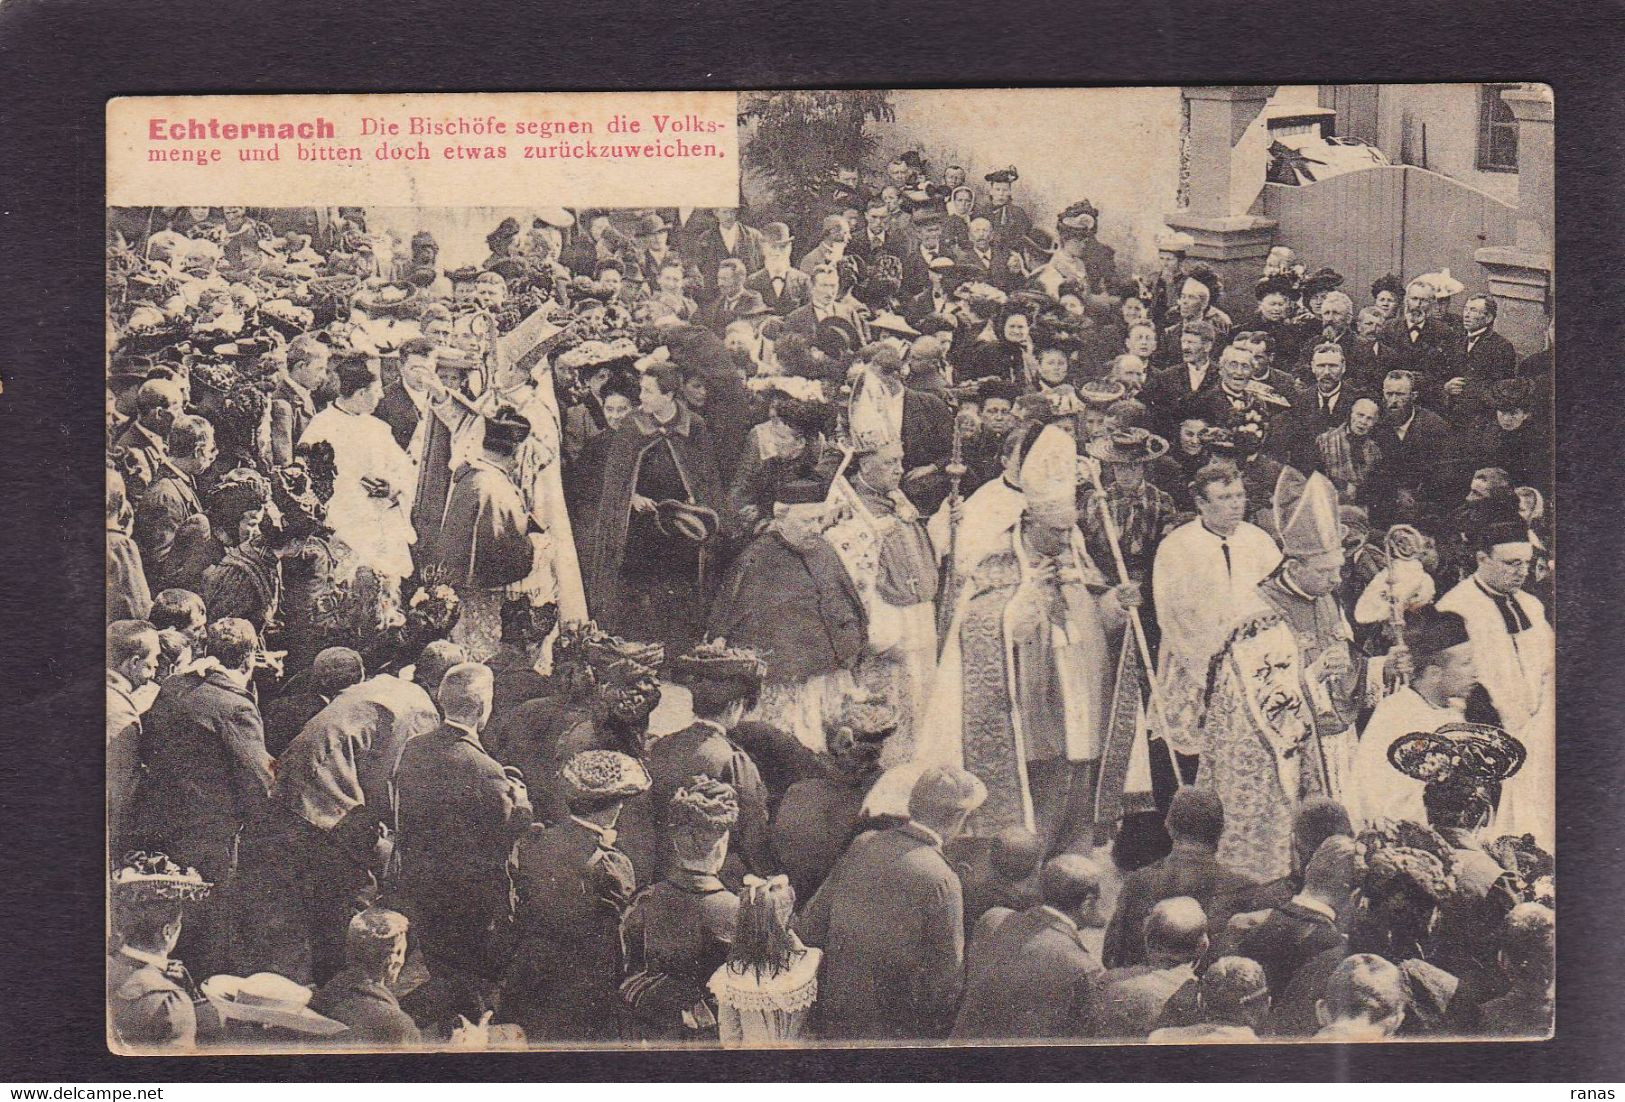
(1155, 711)
(945, 587)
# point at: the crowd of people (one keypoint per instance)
(1061, 650)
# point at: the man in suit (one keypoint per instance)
(1485, 357)
(987, 258)
(458, 815)
(936, 297)
(359, 994)
(877, 236)
(926, 426)
(139, 446)
(172, 508)
(132, 662)
(783, 288)
(1127, 1001)
(1421, 343)
(205, 774)
(1195, 822)
(734, 300)
(304, 860)
(406, 400)
(924, 250)
(726, 239)
(1324, 406)
(1290, 935)
(1414, 443)
(832, 245)
(1171, 391)
(293, 401)
(821, 306)
(1033, 974)
(890, 919)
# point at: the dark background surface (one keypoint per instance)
(61, 59)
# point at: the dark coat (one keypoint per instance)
(397, 410)
(1293, 431)
(994, 270)
(1032, 978)
(812, 825)
(1290, 937)
(369, 1008)
(718, 315)
(459, 812)
(891, 922)
(168, 519)
(1188, 870)
(1169, 395)
(701, 749)
(570, 893)
(1417, 462)
(797, 608)
(205, 770)
(796, 292)
(291, 411)
(1434, 354)
(708, 251)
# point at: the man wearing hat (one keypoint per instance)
(150, 997)
(1514, 651)
(1159, 291)
(890, 919)
(653, 248)
(782, 286)
(789, 598)
(483, 545)
(572, 885)
(1009, 221)
(1513, 438)
(1276, 739)
(1171, 391)
(500, 241)
(936, 296)
(1026, 672)
(1141, 513)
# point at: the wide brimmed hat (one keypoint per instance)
(1080, 217)
(866, 720)
(1129, 445)
(151, 877)
(1458, 753)
(1049, 405)
(695, 523)
(613, 656)
(1275, 285)
(1102, 392)
(605, 774)
(557, 217)
(268, 999)
(1324, 279)
(717, 661)
(506, 231)
(1007, 175)
(651, 224)
(888, 322)
(1508, 395)
(1038, 240)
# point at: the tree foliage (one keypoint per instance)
(797, 138)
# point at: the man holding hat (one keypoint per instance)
(788, 597)
(571, 885)
(1277, 738)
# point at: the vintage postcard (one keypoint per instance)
(853, 568)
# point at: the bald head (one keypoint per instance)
(1070, 882)
(1176, 931)
(1016, 853)
(1333, 870)
(431, 666)
(336, 669)
(465, 694)
(1364, 988)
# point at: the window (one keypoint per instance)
(1497, 130)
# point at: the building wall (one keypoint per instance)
(1450, 112)
(1116, 147)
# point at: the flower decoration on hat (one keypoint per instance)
(150, 877)
(1458, 753)
(716, 660)
(606, 774)
(705, 803)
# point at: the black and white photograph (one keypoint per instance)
(1044, 566)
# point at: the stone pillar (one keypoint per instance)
(1520, 272)
(1220, 186)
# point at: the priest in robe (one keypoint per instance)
(483, 545)
(371, 507)
(1285, 690)
(1026, 685)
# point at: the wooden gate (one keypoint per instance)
(1394, 218)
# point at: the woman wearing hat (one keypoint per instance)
(1141, 513)
(150, 997)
